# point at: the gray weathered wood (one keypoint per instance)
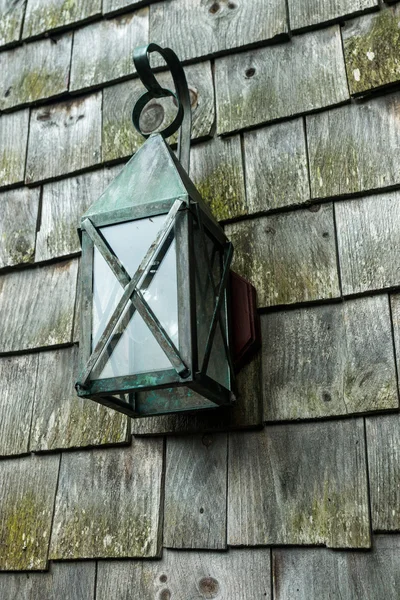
(18, 218)
(235, 575)
(309, 13)
(60, 418)
(47, 15)
(195, 492)
(112, 6)
(11, 17)
(371, 49)
(299, 484)
(329, 360)
(120, 137)
(18, 380)
(64, 137)
(220, 25)
(217, 171)
(35, 71)
(289, 258)
(368, 242)
(66, 581)
(280, 81)
(13, 141)
(27, 492)
(383, 443)
(245, 413)
(276, 166)
(325, 574)
(63, 204)
(355, 147)
(103, 51)
(108, 503)
(39, 304)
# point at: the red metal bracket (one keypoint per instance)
(245, 321)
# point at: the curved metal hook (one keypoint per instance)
(183, 118)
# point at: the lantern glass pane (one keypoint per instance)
(218, 368)
(133, 348)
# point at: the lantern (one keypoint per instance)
(155, 328)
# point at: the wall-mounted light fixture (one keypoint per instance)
(156, 332)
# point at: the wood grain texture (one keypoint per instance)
(243, 414)
(35, 71)
(39, 304)
(195, 492)
(47, 15)
(299, 484)
(329, 360)
(346, 146)
(383, 443)
(309, 13)
(233, 575)
(18, 219)
(217, 171)
(64, 137)
(276, 166)
(63, 204)
(120, 137)
(221, 25)
(18, 379)
(102, 51)
(26, 510)
(113, 6)
(66, 581)
(60, 418)
(11, 17)
(281, 81)
(290, 257)
(13, 141)
(108, 503)
(371, 46)
(368, 242)
(325, 574)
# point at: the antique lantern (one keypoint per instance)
(155, 271)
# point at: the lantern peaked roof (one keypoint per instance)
(152, 175)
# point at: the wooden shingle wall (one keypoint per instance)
(296, 145)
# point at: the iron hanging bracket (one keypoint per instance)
(183, 118)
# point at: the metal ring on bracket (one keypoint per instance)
(183, 117)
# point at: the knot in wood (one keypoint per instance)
(209, 587)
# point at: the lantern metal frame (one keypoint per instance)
(184, 215)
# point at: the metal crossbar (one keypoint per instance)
(132, 293)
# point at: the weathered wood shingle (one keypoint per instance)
(13, 140)
(60, 418)
(235, 575)
(11, 18)
(290, 257)
(368, 242)
(35, 71)
(355, 147)
(307, 573)
(103, 51)
(299, 484)
(309, 13)
(27, 497)
(329, 360)
(39, 304)
(120, 137)
(18, 220)
(64, 137)
(281, 81)
(195, 492)
(18, 380)
(276, 166)
(47, 15)
(371, 46)
(220, 25)
(108, 503)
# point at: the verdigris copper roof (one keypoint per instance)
(295, 491)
